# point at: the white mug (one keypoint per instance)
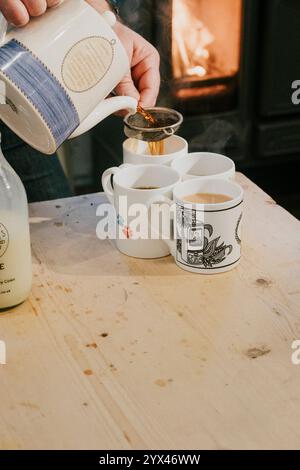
(136, 152)
(58, 70)
(127, 200)
(205, 164)
(207, 236)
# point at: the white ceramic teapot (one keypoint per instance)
(57, 72)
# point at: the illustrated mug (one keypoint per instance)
(207, 236)
(129, 201)
(58, 70)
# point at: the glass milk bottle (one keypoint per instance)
(15, 253)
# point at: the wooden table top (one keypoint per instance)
(111, 352)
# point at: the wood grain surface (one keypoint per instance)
(111, 352)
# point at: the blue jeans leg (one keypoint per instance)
(42, 175)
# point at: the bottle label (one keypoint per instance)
(4, 239)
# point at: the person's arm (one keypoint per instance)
(143, 83)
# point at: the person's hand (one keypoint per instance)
(19, 12)
(144, 81)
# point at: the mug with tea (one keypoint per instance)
(130, 189)
(207, 225)
(163, 152)
(205, 164)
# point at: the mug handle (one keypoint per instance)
(106, 180)
(106, 183)
(165, 200)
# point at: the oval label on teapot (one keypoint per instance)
(4, 239)
(87, 62)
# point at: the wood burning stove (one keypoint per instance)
(228, 65)
(205, 54)
(207, 51)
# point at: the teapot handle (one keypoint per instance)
(103, 110)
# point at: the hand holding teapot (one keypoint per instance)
(57, 72)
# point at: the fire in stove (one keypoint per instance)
(205, 48)
(191, 39)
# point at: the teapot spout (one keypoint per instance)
(105, 109)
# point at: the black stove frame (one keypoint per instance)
(260, 121)
(261, 130)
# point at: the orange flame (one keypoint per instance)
(191, 41)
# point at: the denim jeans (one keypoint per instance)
(42, 175)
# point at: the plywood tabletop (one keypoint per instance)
(117, 353)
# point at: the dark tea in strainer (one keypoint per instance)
(153, 125)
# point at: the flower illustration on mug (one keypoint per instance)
(211, 254)
(125, 229)
(237, 229)
(127, 232)
(120, 220)
(195, 243)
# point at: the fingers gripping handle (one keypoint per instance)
(3, 28)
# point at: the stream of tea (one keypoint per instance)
(155, 148)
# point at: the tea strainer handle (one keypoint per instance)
(169, 131)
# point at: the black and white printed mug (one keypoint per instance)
(207, 237)
(57, 72)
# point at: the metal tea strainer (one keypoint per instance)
(167, 123)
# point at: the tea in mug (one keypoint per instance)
(146, 188)
(207, 198)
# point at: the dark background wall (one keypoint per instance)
(266, 121)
